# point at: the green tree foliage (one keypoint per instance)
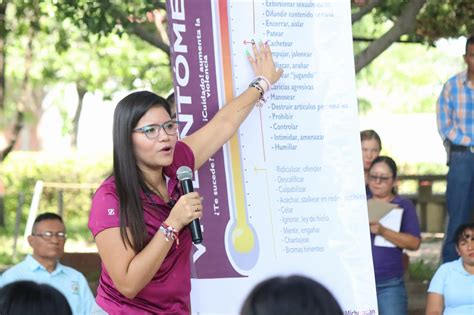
(108, 45)
(420, 21)
(435, 19)
(60, 173)
(444, 19)
(401, 81)
(406, 79)
(41, 47)
(44, 47)
(104, 17)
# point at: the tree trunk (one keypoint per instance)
(20, 110)
(37, 96)
(3, 54)
(19, 118)
(152, 38)
(405, 24)
(81, 92)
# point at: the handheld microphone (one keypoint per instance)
(185, 175)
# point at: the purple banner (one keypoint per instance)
(195, 84)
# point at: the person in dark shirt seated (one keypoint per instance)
(290, 295)
(28, 297)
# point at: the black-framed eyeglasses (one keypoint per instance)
(152, 131)
(382, 179)
(47, 235)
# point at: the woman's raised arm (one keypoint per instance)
(212, 136)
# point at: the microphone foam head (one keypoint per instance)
(184, 173)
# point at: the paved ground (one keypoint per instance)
(429, 250)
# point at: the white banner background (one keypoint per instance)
(300, 157)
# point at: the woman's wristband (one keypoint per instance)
(267, 82)
(262, 85)
(170, 233)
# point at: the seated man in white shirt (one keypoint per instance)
(47, 240)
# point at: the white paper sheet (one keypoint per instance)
(392, 221)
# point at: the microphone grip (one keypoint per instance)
(195, 225)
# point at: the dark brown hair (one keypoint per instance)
(459, 234)
(469, 41)
(390, 163)
(129, 179)
(28, 297)
(290, 295)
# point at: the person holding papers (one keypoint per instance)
(397, 230)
